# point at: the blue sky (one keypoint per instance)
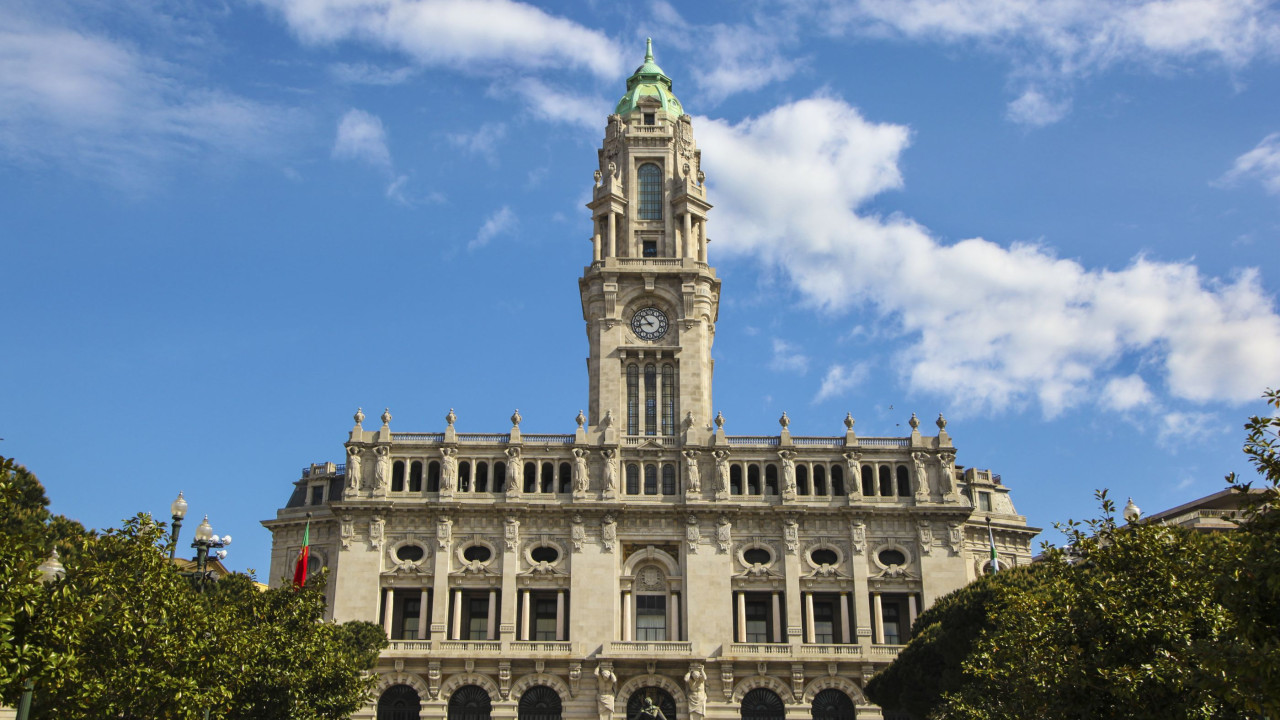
(227, 225)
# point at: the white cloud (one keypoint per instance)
(1034, 109)
(840, 379)
(987, 326)
(362, 137)
(484, 141)
(501, 221)
(463, 34)
(106, 111)
(1181, 428)
(1126, 393)
(559, 105)
(366, 74)
(788, 358)
(1261, 164)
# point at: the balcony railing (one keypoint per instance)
(771, 649)
(411, 437)
(469, 647)
(644, 647)
(819, 441)
(483, 437)
(849, 650)
(884, 442)
(753, 439)
(886, 652)
(548, 439)
(540, 647)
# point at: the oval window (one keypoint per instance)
(892, 557)
(823, 556)
(410, 553)
(545, 554)
(757, 556)
(477, 553)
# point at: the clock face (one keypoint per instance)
(649, 324)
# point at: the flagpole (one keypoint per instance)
(991, 538)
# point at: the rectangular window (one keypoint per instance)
(757, 612)
(650, 118)
(893, 619)
(650, 400)
(410, 608)
(824, 622)
(544, 619)
(984, 501)
(668, 400)
(477, 618)
(633, 399)
(317, 494)
(651, 248)
(651, 617)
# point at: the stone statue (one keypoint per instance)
(947, 480)
(605, 682)
(513, 471)
(922, 476)
(722, 473)
(610, 473)
(382, 469)
(851, 459)
(696, 682)
(353, 468)
(649, 711)
(691, 471)
(581, 479)
(449, 471)
(788, 472)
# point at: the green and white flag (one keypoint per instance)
(991, 538)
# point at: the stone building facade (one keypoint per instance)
(649, 557)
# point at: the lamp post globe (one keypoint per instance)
(178, 509)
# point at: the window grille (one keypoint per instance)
(650, 176)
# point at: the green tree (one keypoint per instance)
(125, 635)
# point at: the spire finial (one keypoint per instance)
(648, 49)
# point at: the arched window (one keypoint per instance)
(886, 481)
(633, 479)
(566, 477)
(397, 476)
(802, 479)
(868, 480)
(650, 399)
(415, 476)
(819, 480)
(668, 400)
(904, 482)
(837, 480)
(633, 399)
(433, 476)
(530, 477)
(659, 697)
(668, 479)
(464, 476)
(548, 478)
(650, 177)
(771, 479)
(650, 479)
(470, 702)
(499, 472)
(539, 703)
(762, 704)
(753, 479)
(399, 702)
(735, 479)
(832, 704)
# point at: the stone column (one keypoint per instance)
(560, 637)
(388, 610)
(844, 618)
(912, 609)
(686, 245)
(613, 235)
(457, 615)
(524, 616)
(742, 617)
(422, 614)
(878, 619)
(777, 617)
(626, 615)
(673, 617)
(491, 630)
(810, 634)
(595, 241)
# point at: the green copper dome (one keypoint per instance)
(649, 81)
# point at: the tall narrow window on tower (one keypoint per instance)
(650, 192)
(668, 400)
(650, 399)
(633, 399)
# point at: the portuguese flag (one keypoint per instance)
(300, 568)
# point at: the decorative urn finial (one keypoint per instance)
(941, 422)
(848, 421)
(359, 416)
(386, 416)
(914, 422)
(515, 418)
(581, 419)
(784, 421)
(719, 419)
(450, 418)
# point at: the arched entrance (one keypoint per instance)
(763, 704)
(470, 702)
(399, 702)
(832, 704)
(540, 703)
(660, 697)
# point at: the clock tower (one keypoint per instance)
(649, 298)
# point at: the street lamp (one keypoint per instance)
(179, 510)
(1131, 512)
(51, 571)
(204, 542)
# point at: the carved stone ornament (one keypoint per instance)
(858, 532)
(515, 418)
(947, 478)
(581, 475)
(433, 679)
(610, 489)
(726, 679)
(444, 531)
(386, 417)
(513, 471)
(848, 421)
(692, 533)
(359, 417)
(353, 470)
(918, 459)
(791, 534)
(346, 532)
(724, 534)
(450, 418)
(788, 473)
(376, 528)
(696, 689)
(449, 469)
(693, 478)
(797, 679)
(575, 677)
(581, 419)
(382, 468)
(722, 474)
(851, 459)
(925, 531)
(606, 685)
(578, 533)
(955, 537)
(608, 533)
(511, 533)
